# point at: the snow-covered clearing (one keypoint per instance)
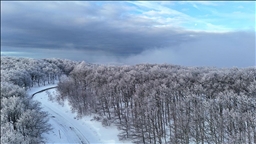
(67, 128)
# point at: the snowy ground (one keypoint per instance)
(67, 128)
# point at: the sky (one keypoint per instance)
(188, 33)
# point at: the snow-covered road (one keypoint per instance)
(67, 128)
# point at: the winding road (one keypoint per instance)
(66, 128)
(43, 90)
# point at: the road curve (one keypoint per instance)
(66, 129)
(43, 90)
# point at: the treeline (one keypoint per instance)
(28, 72)
(163, 104)
(22, 120)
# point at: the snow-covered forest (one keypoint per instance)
(22, 120)
(167, 103)
(150, 103)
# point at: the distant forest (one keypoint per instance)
(149, 103)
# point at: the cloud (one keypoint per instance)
(235, 49)
(70, 25)
(126, 32)
(205, 3)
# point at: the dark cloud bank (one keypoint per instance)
(108, 34)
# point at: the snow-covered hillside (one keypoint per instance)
(67, 128)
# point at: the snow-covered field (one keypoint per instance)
(67, 128)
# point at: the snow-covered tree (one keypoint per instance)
(166, 103)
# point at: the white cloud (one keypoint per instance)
(166, 16)
(219, 50)
(201, 3)
(195, 6)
